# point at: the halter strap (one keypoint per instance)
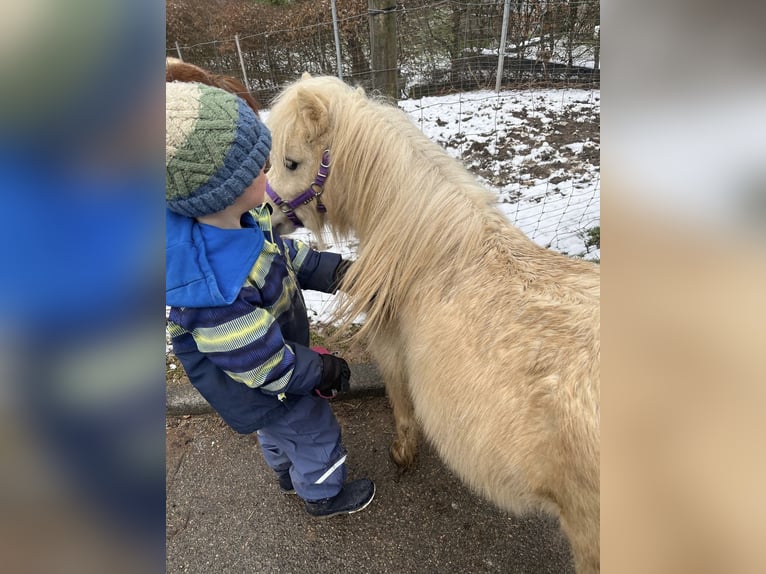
(313, 191)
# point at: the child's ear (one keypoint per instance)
(314, 113)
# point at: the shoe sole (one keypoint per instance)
(365, 505)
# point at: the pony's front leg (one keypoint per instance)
(389, 355)
(405, 446)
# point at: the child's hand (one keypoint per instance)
(340, 273)
(335, 376)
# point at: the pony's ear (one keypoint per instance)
(314, 113)
(305, 76)
(360, 91)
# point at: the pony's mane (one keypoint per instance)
(418, 213)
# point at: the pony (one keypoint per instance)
(488, 343)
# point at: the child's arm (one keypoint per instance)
(316, 270)
(247, 344)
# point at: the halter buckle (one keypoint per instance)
(315, 190)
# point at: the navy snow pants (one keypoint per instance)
(306, 441)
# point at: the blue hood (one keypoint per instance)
(206, 266)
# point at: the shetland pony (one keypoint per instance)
(488, 343)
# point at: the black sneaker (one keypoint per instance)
(353, 497)
(286, 483)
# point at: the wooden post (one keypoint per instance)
(383, 49)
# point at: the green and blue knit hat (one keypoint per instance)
(215, 146)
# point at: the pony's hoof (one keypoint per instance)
(401, 455)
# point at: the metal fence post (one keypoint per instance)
(337, 40)
(597, 48)
(501, 51)
(241, 61)
(178, 49)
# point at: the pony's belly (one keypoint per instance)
(487, 439)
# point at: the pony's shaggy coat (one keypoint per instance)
(487, 342)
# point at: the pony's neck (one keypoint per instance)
(415, 210)
(422, 220)
(397, 180)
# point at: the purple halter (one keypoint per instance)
(313, 191)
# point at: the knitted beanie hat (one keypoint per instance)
(215, 146)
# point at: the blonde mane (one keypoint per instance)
(418, 213)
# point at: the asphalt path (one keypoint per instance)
(225, 513)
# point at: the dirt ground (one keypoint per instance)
(561, 129)
(225, 514)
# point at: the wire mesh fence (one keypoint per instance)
(511, 88)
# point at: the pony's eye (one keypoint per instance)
(291, 165)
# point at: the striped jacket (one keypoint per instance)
(238, 321)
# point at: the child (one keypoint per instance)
(238, 321)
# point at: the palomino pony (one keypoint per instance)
(488, 343)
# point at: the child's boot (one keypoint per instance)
(353, 497)
(285, 482)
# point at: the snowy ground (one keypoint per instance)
(538, 150)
